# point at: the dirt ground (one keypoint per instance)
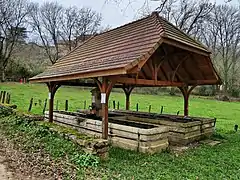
(18, 165)
(4, 173)
(11, 174)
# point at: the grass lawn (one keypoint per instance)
(205, 162)
(227, 113)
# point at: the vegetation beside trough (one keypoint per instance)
(40, 136)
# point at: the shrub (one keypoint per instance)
(5, 111)
(235, 92)
(206, 91)
(86, 160)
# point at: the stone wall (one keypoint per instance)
(149, 140)
(96, 145)
(181, 130)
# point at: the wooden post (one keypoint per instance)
(45, 105)
(51, 103)
(9, 98)
(30, 105)
(137, 107)
(127, 101)
(85, 104)
(105, 86)
(114, 105)
(3, 96)
(104, 101)
(6, 99)
(186, 104)
(118, 105)
(52, 87)
(161, 109)
(66, 105)
(149, 109)
(186, 93)
(127, 90)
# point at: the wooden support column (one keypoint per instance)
(127, 90)
(186, 91)
(52, 87)
(105, 87)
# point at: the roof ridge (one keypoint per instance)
(155, 13)
(127, 24)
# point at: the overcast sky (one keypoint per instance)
(113, 14)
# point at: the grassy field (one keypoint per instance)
(204, 162)
(226, 113)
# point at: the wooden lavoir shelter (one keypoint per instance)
(145, 53)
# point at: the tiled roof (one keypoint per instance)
(116, 49)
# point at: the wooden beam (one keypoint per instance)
(203, 82)
(175, 72)
(143, 59)
(186, 46)
(145, 82)
(186, 91)
(127, 90)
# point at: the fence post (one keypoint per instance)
(137, 107)
(85, 104)
(149, 109)
(66, 105)
(114, 105)
(6, 99)
(118, 105)
(9, 98)
(30, 105)
(45, 105)
(161, 109)
(1, 94)
(3, 98)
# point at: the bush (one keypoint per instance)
(86, 160)
(235, 92)
(206, 91)
(5, 111)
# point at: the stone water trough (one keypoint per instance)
(139, 136)
(182, 130)
(140, 131)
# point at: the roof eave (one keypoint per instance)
(186, 46)
(92, 74)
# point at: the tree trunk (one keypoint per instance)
(3, 75)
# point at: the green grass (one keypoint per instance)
(204, 162)
(219, 162)
(227, 113)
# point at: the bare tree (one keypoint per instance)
(225, 30)
(78, 24)
(187, 14)
(12, 20)
(60, 29)
(46, 22)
